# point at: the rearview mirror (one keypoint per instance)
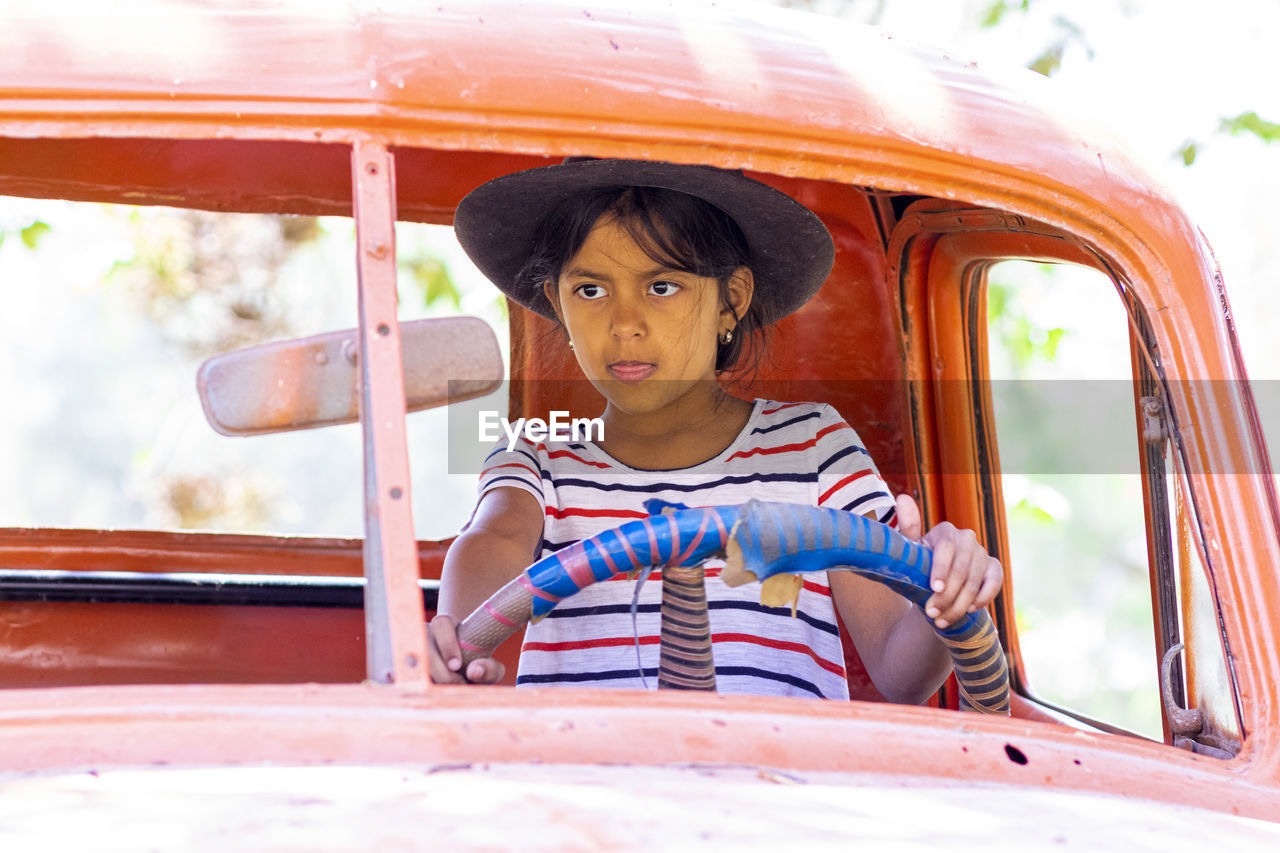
(313, 382)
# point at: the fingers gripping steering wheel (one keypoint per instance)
(759, 541)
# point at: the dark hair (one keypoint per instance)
(673, 228)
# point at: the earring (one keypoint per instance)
(728, 336)
(570, 346)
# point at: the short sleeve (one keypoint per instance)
(518, 467)
(847, 476)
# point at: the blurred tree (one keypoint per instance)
(995, 13)
(1247, 124)
(1026, 341)
(1064, 33)
(229, 501)
(429, 278)
(30, 234)
(210, 281)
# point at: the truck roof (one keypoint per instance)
(751, 89)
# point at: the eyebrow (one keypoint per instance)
(583, 272)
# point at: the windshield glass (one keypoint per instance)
(110, 310)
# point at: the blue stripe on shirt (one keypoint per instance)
(575, 677)
(767, 675)
(862, 501)
(686, 487)
(796, 420)
(840, 454)
(652, 672)
(525, 480)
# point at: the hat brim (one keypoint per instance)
(791, 250)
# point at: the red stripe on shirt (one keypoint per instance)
(829, 666)
(602, 642)
(769, 451)
(840, 485)
(535, 474)
(827, 430)
(789, 448)
(575, 512)
(556, 454)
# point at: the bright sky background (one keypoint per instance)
(1160, 73)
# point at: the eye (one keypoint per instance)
(589, 291)
(664, 288)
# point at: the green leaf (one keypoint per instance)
(1188, 153)
(997, 301)
(434, 282)
(994, 13)
(1251, 122)
(442, 287)
(1050, 347)
(1049, 61)
(32, 233)
(1032, 513)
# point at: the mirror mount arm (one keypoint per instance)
(395, 621)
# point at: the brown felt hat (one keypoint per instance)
(791, 250)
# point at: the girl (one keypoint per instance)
(663, 276)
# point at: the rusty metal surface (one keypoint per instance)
(45, 644)
(313, 382)
(66, 644)
(561, 808)
(189, 551)
(315, 725)
(52, 644)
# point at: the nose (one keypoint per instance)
(627, 319)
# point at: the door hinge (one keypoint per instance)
(1154, 427)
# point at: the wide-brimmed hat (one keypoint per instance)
(791, 250)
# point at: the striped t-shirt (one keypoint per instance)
(802, 453)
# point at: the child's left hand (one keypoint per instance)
(964, 578)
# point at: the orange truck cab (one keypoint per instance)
(186, 687)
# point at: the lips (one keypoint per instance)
(631, 372)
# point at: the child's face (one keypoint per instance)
(644, 334)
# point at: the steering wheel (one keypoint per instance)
(759, 541)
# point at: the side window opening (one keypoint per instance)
(1062, 391)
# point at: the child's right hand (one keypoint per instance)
(446, 657)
